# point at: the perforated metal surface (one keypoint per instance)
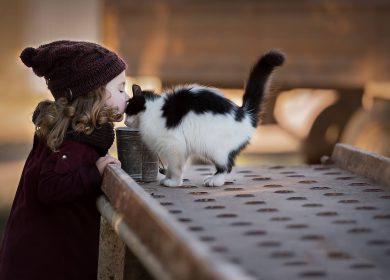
(288, 222)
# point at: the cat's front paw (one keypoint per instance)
(171, 182)
(214, 181)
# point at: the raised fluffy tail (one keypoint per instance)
(257, 83)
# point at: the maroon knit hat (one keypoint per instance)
(72, 66)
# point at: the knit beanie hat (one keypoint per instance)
(73, 68)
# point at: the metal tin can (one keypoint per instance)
(136, 159)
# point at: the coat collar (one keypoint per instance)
(101, 139)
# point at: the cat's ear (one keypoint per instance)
(137, 91)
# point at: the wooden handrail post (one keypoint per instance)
(111, 253)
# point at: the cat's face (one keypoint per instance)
(135, 106)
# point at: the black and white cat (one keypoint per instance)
(197, 120)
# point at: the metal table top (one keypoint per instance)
(294, 222)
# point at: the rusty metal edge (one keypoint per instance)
(361, 162)
(182, 255)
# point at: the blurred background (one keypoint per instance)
(335, 86)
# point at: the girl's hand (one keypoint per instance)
(102, 162)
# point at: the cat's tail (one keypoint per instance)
(257, 83)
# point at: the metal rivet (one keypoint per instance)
(307, 182)
(349, 201)
(284, 191)
(233, 189)
(359, 184)
(280, 219)
(219, 249)
(241, 224)
(269, 244)
(199, 193)
(344, 178)
(327, 214)
(333, 194)
(296, 226)
(255, 202)
(282, 254)
(204, 200)
(158, 195)
(187, 187)
(207, 238)
(296, 198)
(332, 173)
(344, 222)
(276, 167)
(319, 188)
(167, 203)
(244, 195)
(295, 263)
(359, 230)
(313, 273)
(255, 232)
(267, 210)
(175, 211)
(378, 242)
(261, 179)
(338, 255)
(273, 186)
(382, 216)
(215, 207)
(362, 265)
(373, 190)
(226, 215)
(312, 205)
(196, 228)
(184, 220)
(313, 237)
(366, 208)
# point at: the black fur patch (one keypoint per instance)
(240, 114)
(136, 104)
(233, 154)
(221, 169)
(255, 87)
(182, 101)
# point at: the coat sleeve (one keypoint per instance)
(66, 176)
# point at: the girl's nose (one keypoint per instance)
(127, 98)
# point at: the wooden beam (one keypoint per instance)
(361, 162)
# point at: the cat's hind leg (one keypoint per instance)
(218, 179)
(224, 162)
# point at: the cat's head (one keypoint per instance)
(137, 105)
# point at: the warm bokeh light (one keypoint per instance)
(296, 110)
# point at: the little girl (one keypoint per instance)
(53, 228)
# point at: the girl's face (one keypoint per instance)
(116, 93)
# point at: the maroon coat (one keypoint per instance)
(53, 228)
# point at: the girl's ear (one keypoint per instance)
(137, 91)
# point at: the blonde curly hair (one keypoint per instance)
(87, 112)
